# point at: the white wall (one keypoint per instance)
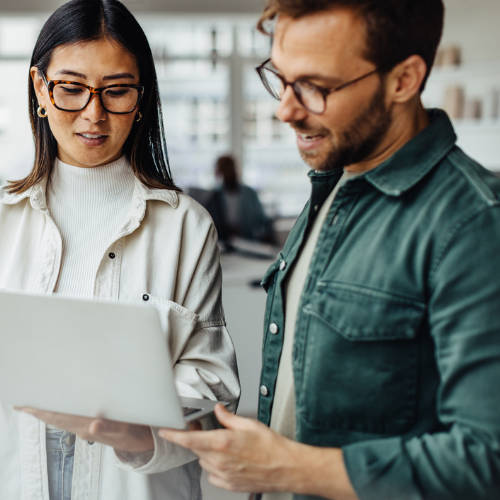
(136, 6)
(474, 25)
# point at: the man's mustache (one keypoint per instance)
(302, 127)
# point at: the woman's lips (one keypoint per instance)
(308, 142)
(92, 139)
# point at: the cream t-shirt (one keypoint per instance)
(283, 412)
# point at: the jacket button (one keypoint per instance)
(264, 391)
(273, 328)
(70, 440)
(316, 208)
(145, 297)
(112, 255)
(282, 265)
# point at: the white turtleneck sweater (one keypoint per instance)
(88, 205)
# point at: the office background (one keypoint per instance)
(214, 103)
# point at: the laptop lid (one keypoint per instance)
(90, 358)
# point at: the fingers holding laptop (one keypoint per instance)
(119, 435)
(245, 456)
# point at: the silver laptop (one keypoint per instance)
(90, 358)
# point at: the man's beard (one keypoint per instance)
(355, 143)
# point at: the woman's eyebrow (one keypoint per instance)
(70, 72)
(117, 76)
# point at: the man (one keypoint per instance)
(381, 355)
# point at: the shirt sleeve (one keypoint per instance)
(462, 463)
(204, 360)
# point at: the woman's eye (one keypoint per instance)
(117, 92)
(71, 90)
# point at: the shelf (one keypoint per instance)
(479, 126)
(465, 71)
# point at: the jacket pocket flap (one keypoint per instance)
(174, 317)
(365, 314)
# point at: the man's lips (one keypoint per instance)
(309, 140)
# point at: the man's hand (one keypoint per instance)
(248, 456)
(121, 436)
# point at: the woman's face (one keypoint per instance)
(91, 137)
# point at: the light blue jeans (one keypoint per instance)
(60, 458)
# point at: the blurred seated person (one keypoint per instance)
(243, 212)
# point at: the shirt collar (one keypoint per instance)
(412, 162)
(417, 158)
(38, 199)
(36, 194)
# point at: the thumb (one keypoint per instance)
(228, 419)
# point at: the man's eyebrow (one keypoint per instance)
(116, 76)
(327, 80)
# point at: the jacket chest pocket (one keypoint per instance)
(177, 323)
(361, 360)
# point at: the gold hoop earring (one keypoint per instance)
(138, 116)
(42, 112)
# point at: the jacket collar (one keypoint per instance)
(38, 197)
(412, 162)
(36, 194)
(417, 158)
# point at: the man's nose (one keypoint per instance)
(290, 109)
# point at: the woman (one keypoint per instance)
(99, 216)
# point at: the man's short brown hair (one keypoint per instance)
(395, 29)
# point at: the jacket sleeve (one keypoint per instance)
(462, 463)
(202, 351)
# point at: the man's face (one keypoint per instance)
(327, 49)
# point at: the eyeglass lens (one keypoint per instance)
(74, 98)
(308, 94)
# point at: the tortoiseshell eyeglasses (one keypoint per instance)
(119, 99)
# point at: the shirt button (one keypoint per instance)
(273, 328)
(282, 265)
(145, 297)
(264, 391)
(316, 208)
(112, 255)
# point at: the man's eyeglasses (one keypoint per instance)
(119, 99)
(311, 96)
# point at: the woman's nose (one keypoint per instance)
(95, 112)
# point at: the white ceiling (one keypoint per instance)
(145, 6)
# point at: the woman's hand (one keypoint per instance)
(131, 438)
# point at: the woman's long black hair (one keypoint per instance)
(92, 20)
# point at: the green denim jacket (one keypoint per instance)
(396, 355)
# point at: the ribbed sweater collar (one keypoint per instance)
(105, 180)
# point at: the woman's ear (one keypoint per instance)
(39, 86)
(406, 79)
